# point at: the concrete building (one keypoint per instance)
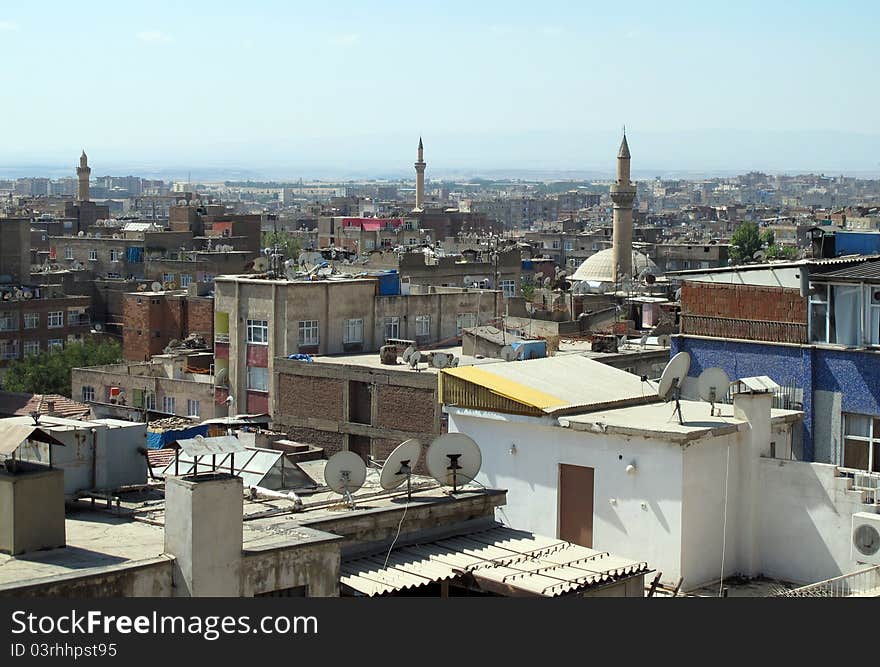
(325, 317)
(152, 320)
(587, 456)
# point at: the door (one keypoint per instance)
(576, 504)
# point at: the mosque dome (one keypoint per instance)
(598, 268)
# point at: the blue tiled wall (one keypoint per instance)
(853, 373)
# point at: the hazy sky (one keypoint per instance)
(350, 85)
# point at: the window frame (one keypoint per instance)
(353, 324)
(88, 393)
(423, 326)
(391, 323)
(169, 401)
(53, 314)
(32, 317)
(308, 333)
(264, 372)
(253, 326)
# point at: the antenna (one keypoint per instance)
(345, 473)
(454, 459)
(399, 466)
(507, 353)
(673, 375)
(713, 385)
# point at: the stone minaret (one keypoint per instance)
(623, 192)
(420, 177)
(82, 173)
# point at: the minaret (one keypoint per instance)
(622, 194)
(420, 177)
(82, 173)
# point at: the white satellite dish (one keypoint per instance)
(99, 326)
(467, 280)
(673, 375)
(156, 286)
(407, 353)
(507, 353)
(440, 360)
(454, 459)
(713, 385)
(345, 473)
(399, 466)
(454, 362)
(414, 359)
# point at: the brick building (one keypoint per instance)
(354, 402)
(153, 319)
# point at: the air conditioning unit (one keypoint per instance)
(866, 538)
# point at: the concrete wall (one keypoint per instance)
(315, 566)
(635, 516)
(151, 578)
(32, 503)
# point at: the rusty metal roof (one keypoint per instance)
(12, 435)
(498, 559)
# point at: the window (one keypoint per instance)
(258, 332)
(68, 253)
(508, 288)
(257, 378)
(861, 442)
(88, 394)
(8, 321)
(55, 319)
(392, 327)
(76, 317)
(595, 246)
(31, 320)
(8, 349)
(555, 245)
(353, 331)
(150, 400)
(55, 344)
(423, 325)
(93, 255)
(167, 277)
(308, 333)
(185, 279)
(836, 314)
(465, 321)
(114, 254)
(31, 347)
(193, 409)
(168, 404)
(569, 245)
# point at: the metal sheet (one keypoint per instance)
(12, 435)
(201, 446)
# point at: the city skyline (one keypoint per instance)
(299, 91)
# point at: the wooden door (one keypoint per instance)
(576, 504)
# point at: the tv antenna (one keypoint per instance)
(454, 459)
(713, 385)
(673, 375)
(345, 473)
(398, 467)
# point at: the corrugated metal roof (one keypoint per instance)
(866, 271)
(12, 435)
(498, 558)
(760, 384)
(549, 385)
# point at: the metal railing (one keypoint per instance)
(728, 327)
(863, 583)
(867, 482)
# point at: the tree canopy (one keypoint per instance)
(745, 242)
(290, 245)
(49, 372)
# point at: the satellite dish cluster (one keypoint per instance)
(453, 459)
(413, 357)
(712, 385)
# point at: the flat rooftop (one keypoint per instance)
(657, 420)
(372, 360)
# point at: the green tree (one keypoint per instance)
(288, 243)
(49, 372)
(745, 242)
(768, 237)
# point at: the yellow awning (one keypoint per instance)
(510, 389)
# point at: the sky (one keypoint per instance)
(301, 89)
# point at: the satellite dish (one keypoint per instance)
(325, 271)
(345, 473)
(440, 360)
(99, 327)
(454, 459)
(407, 353)
(399, 466)
(670, 381)
(156, 286)
(467, 280)
(713, 384)
(454, 362)
(261, 264)
(760, 255)
(414, 359)
(507, 353)
(664, 340)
